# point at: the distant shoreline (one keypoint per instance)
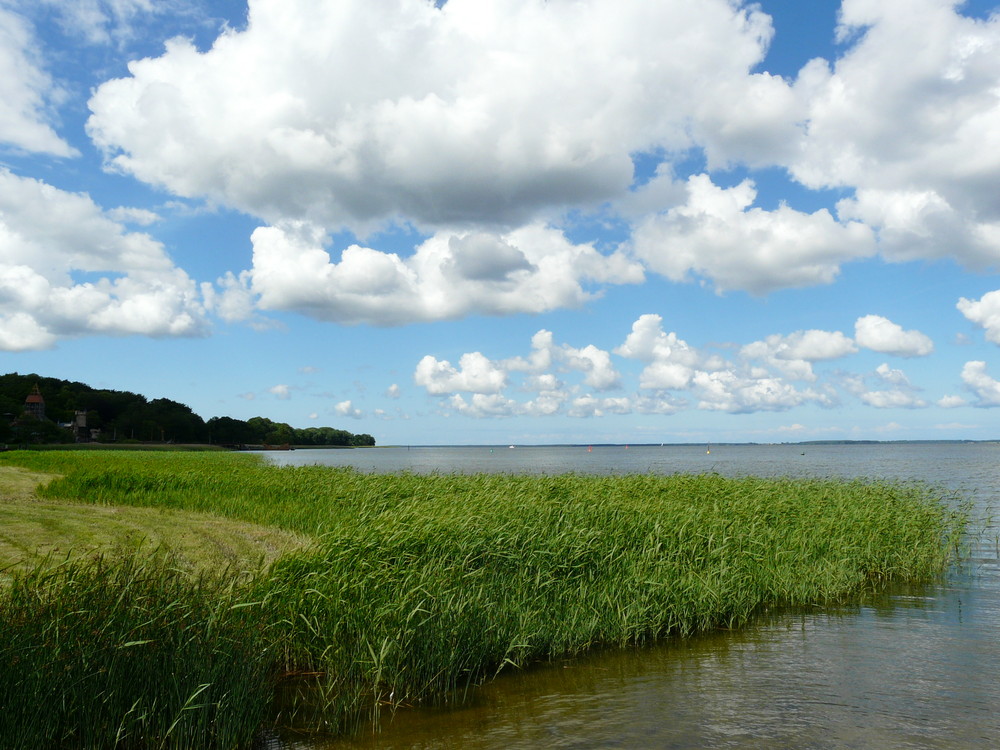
(491, 446)
(685, 445)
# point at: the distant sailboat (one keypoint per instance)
(708, 448)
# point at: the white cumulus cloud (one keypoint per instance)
(672, 362)
(885, 388)
(729, 391)
(794, 354)
(951, 402)
(475, 374)
(593, 406)
(484, 405)
(705, 379)
(984, 312)
(718, 235)
(348, 409)
(450, 275)
(366, 110)
(981, 384)
(893, 399)
(882, 335)
(595, 363)
(49, 239)
(27, 91)
(909, 117)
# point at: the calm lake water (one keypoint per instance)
(916, 668)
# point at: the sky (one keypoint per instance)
(511, 221)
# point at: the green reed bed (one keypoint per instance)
(129, 653)
(420, 585)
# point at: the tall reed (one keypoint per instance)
(129, 653)
(427, 595)
(421, 585)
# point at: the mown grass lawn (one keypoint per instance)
(33, 528)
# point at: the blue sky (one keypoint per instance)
(512, 221)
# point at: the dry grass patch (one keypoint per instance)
(17, 483)
(32, 529)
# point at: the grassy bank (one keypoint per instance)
(125, 446)
(34, 528)
(412, 586)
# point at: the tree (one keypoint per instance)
(280, 434)
(176, 422)
(121, 415)
(229, 431)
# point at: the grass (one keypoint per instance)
(128, 652)
(413, 586)
(127, 446)
(33, 529)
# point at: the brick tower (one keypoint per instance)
(34, 404)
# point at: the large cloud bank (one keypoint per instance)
(483, 127)
(346, 113)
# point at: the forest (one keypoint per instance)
(125, 417)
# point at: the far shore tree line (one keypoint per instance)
(75, 412)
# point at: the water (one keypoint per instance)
(913, 668)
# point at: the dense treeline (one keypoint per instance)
(122, 416)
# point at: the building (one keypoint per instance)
(34, 405)
(79, 428)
